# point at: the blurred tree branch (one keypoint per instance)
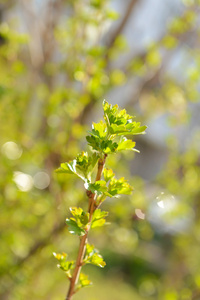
(122, 24)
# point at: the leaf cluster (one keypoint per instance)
(104, 136)
(93, 257)
(109, 187)
(64, 265)
(78, 224)
(82, 165)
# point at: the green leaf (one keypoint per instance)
(59, 256)
(125, 144)
(99, 187)
(84, 218)
(94, 142)
(98, 218)
(98, 223)
(119, 122)
(113, 115)
(92, 161)
(81, 217)
(82, 166)
(66, 266)
(116, 129)
(118, 187)
(74, 228)
(84, 281)
(101, 145)
(140, 130)
(108, 174)
(99, 130)
(109, 146)
(98, 214)
(128, 129)
(93, 257)
(97, 260)
(76, 211)
(67, 167)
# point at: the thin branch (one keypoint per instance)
(122, 24)
(83, 241)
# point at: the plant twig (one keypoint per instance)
(83, 239)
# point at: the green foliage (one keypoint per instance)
(51, 81)
(82, 166)
(118, 187)
(104, 136)
(98, 187)
(74, 228)
(98, 218)
(93, 257)
(66, 266)
(77, 224)
(108, 174)
(117, 123)
(84, 281)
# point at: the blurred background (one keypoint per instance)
(58, 61)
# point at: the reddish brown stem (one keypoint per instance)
(83, 239)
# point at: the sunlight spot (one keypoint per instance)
(169, 214)
(23, 181)
(161, 204)
(166, 201)
(11, 150)
(41, 180)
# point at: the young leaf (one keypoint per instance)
(64, 265)
(98, 214)
(92, 161)
(109, 146)
(119, 122)
(76, 211)
(99, 187)
(74, 228)
(82, 166)
(140, 130)
(67, 167)
(108, 174)
(99, 130)
(81, 217)
(84, 281)
(93, 257)
(98, 223)
(98, 218)
(97, 260)
(120, 186)
(59, 256)
(101, 145)
(125, 144)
